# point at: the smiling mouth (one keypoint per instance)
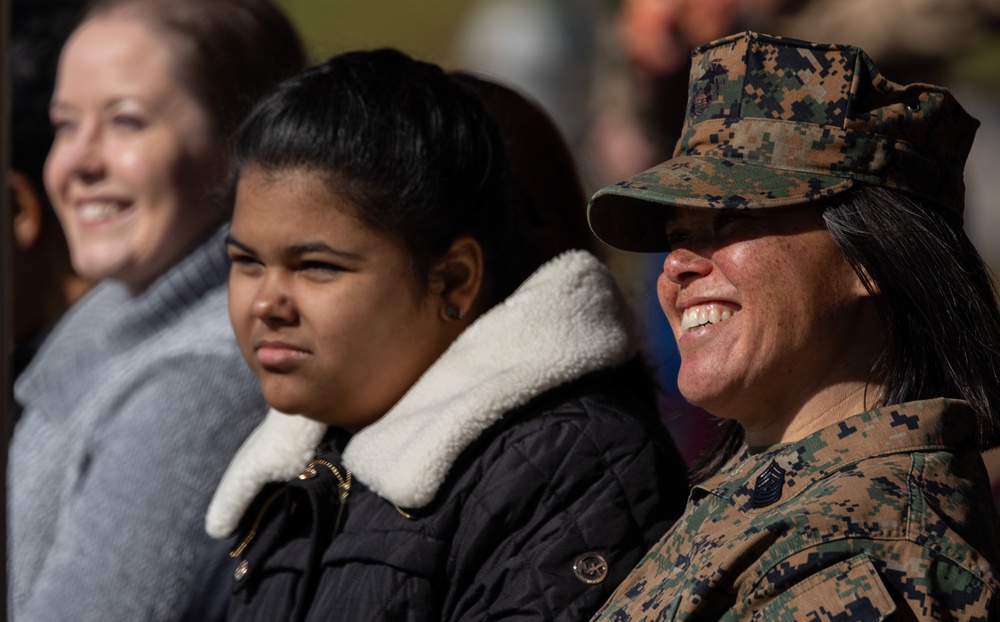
(98, 211)
(700, 315)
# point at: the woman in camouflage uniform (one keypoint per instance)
(818, 270)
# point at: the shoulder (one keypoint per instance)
(559, 450)
(877, 529)
(609, 416)
(904, 495)
(190, 368)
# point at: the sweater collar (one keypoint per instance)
(109, 322)
(180, 287)
(565, 321)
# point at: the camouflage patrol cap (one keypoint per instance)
(773, 122)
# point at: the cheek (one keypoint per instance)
(152, 173)
(163, 171)
(53, 172)
(666, 293)
(338, 318)
(240, 309)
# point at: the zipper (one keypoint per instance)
(343, 487)
(256, 523)
(343, 491)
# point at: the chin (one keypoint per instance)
(98, 265)
(714, 401)
(95, 271)
(289, 407)
(279, 398)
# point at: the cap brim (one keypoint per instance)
(631, 215)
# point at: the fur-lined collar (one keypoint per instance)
(565, 321)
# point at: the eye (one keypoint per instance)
(128, 122)
(729, 217)
(319, 266)
(244, 263)
(677, 236)
(61, 126)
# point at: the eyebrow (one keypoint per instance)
(299, 249)
(56, 104)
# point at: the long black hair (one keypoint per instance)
(936, 302)
(935, 298)
(414, 153)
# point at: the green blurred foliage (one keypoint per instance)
(422, 28)
(980, 66)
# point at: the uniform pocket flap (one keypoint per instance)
(850, 590)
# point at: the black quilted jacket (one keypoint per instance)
(539, 519)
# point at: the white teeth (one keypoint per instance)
(90, 212)
(708, 314)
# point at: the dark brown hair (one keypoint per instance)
(545, 173)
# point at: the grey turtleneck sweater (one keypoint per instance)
(132, 409)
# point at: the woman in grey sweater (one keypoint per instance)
(139, 396)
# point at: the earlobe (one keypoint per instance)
(457, 278)
(28, 210)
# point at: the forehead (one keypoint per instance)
(673, 214)
(117, 52)
(795, 213)
(292, 182)
(293, 199)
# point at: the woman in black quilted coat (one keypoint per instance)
(474, 437)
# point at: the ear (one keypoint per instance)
(862, 284)
(457, 278)
(27, 206)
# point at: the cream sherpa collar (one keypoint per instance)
(565, 321)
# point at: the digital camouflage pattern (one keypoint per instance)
(885, 515)
(773, 122)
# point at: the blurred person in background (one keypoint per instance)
(544, 48)
(44, 283)
(139, 394)
(545, 175)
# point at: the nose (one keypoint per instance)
(685, 265)
(273, 304)
(83, 156)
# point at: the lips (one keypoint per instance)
(279, 356)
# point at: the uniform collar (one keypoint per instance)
(926, 425)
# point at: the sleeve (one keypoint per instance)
(128, 538)
(562, 513)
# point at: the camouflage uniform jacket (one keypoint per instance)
(886, 515)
